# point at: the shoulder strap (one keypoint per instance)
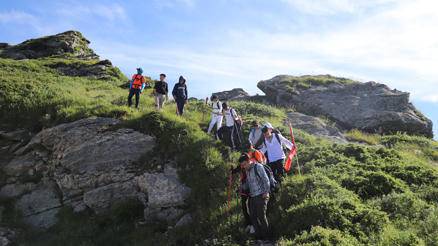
(278, 138)
(256, 171)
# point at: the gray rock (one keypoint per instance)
(185, 220)
(101, 199)
(66, 44)
(234, 94)
(7, 236)
(99, 70)
(163, 189)
(93, 164)
(315, 126)
(366, 106)
(39, 208)
(16, 189)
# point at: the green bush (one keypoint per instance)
(323, 236)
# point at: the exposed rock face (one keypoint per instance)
(366, 106)
(99, 70)
(88, 164)
(66, 44)
(7, 236)
(315, 126)
(234, 94)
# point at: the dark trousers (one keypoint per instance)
(180, 106)
(230, 137)
(258, 206)
(277, 169)
(133, 92)
(245, 210)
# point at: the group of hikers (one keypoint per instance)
(160, 91)
(261, 168)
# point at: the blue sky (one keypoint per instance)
(224, 44)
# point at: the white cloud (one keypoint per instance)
(332, 7)
(16, 17)
(110, 12)
(175, 3)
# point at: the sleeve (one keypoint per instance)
(167, 88)
(263, 148)
(143, 85)
(263, 177)
(130, 84)
(155, 85)
(187, 93)
(174, 90)
(285, 142)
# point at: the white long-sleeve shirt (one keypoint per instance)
(230, 117)
(275, 148)
(216, 108)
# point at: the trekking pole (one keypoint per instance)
(230, 182)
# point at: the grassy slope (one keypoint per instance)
(383, 194)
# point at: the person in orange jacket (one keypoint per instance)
(136, 87)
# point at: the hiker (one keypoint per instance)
(160, 92)
(231, 128)
(216, 115)
(273, 143)
(244, 201)
(258, 185)
(255, 137)
(180, 95)
(136, 87)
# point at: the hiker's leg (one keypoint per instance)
(180, 104)
(137, 97)
(156, 101)
(261, 217)
(131, 94)
(245, 210)
(280, 170)
(253, 215)
(162, 98)
(231, 129)
(212, 123)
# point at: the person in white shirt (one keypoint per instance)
(255, 135)
(216, 114)
(230, 121)
(273, 147)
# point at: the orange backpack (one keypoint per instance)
(256, 156)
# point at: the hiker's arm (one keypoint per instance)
(174, 91)
(263, 148)
(187, 93)
(264, 178)
(285, 142)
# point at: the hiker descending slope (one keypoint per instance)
(258, 185)
(232, 131)
(160, 92)
(216, 115)
(255, 137)
(136, 87)
(273, 145)
(180, 95)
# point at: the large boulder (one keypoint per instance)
(67, 44)
(315, 126)
(88, 164)
(234, 94)
(367, 106)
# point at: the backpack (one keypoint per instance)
(257, 155)
(272, 182)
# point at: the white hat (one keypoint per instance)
(268, 125)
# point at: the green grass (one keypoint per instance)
(383, 193)
(362, 137)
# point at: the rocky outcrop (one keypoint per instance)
(89, 164)
(99, 70)
(7, 236)
(315, 126)
(366, 106)
(234, 94)
(69, 44)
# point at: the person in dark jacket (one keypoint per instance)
(180, 95)
(160, 92)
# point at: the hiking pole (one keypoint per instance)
(230, 182)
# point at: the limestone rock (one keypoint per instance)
(234, 94)
(315, 126)
(67, 44)
(366, 106)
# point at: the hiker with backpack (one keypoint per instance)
(255, 137)
(180, 95)
(216, 115)
(136, 87)
(273, 144)
(232, 134)
(160, 92)
(258, 184)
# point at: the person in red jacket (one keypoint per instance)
(136, 87)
